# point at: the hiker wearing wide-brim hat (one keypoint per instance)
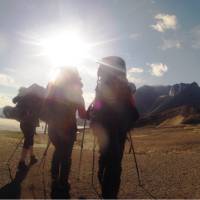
(63, 100)
(112, 114)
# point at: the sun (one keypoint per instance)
(65, 48)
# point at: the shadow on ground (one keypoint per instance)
(12, 190)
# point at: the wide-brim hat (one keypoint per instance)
(111, 64)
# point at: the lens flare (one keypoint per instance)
(65, 48)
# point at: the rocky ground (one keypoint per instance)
(168, 159)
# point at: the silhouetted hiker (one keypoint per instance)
(63, 100)
(112, 114)
(26, 105)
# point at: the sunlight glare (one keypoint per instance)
(54, 73)
(66, 48)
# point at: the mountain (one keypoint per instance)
(147, 96)
(179, 102)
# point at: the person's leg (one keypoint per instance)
(104, 159)
(102, 165)
(55, 163)
(24, 154)
(112, 172)
(55, 171)
(33, 158)
(25, 150)
(66, 159)
(102, 138)
(116, 174)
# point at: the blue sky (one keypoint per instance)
(159, 39)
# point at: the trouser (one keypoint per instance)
(110, 159)
(28, 131)
(61, 161)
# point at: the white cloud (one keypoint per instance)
(135, 70)
(165, 22)
(168, 44)
(158, 69)
(133, 79)
(5, 100)
(6, 80)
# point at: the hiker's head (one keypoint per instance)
(22, 91)
(112, 66)
(68, 76)
(67, 85)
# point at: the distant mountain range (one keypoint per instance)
(166, 105)
(172, 105)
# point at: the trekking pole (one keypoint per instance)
(43, 171)
(136, 164)
(93, 167)
(11, 156)
(45, 153)
(137, 169)
(14, 151)
(46, 149)
(93, 161)
(42, 163)
(81, 151)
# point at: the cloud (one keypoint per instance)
(6, 80)
(165, 22)
(135, 70)
(168, 44)
(131, 75)
(133, 79)
(158, 69)
(5, 100)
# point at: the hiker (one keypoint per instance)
(64, 98)
(29, 120)
(112, 115)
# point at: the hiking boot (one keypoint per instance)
(54, 188)
(22, 166)
(33, 160)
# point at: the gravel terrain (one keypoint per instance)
(168, 160)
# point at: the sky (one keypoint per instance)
(158, 39)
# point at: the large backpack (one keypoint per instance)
(28, 104)
(113, 106)
(62, 99)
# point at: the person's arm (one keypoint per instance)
(16, 99)
(132, 100)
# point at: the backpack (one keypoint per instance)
(62, 98)
(113, 104)
(28, 104)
